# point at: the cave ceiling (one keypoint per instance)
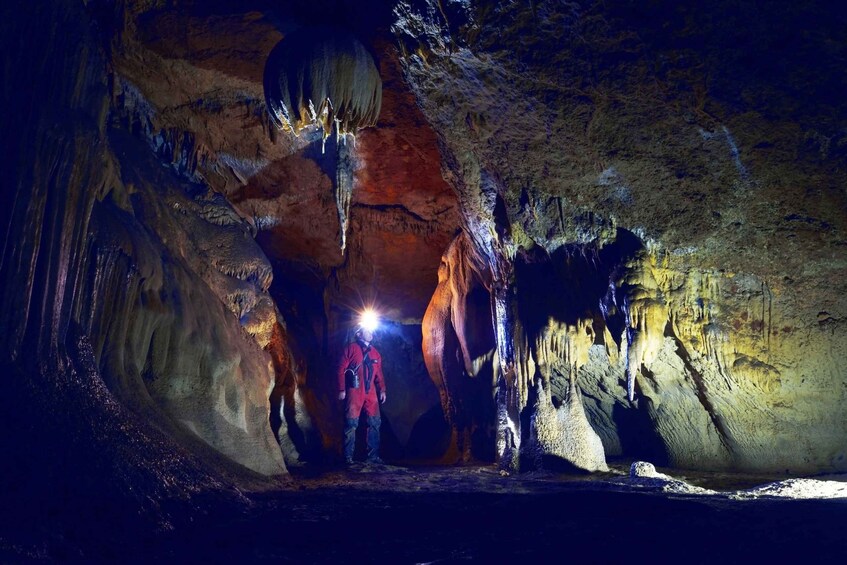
(192, 79)
(708, 152)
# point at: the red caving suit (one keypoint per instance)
(357, 398)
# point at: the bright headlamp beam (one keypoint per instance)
(369, 320)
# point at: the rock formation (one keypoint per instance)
(158, 273)
(201, 221)
(592, 229)
(322, 76)
(682, 201)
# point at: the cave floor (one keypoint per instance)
(392, 514)
(464, 514)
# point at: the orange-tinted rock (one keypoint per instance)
(189, 84)
(458, 345)
(404, 214)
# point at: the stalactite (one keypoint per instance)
(646, 315)
(564, 346)
(325, 77)
(344, 186)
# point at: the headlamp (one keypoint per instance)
(369, 320)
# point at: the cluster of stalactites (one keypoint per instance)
(322, 77)
(558, 346)
(564, 344)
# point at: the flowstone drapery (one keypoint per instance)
(325, 77)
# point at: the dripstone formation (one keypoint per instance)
(654, 218)
(593, 229)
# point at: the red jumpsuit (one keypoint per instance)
(359, 398)
(364, 397)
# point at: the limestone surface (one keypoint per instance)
(623, 170)
(606, 222)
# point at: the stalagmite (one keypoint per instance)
(565, 432)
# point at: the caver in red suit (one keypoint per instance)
(362, 387)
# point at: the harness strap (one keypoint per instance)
(368, 364)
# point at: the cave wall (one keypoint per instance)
(177, 307)
(175, 185)
(652, 231)
(159, 280)
(78, 457)
(708, 159)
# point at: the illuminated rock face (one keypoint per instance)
(144, 281)
(686, 215)
(652, 250)
(200, 107)
(178, 309)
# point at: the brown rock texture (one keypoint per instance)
(601, 219)
(616, 228)
(159, 275)
(78, 438)
(459, 347)
(681, 187)
(188, 80)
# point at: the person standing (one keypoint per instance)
(361, 386)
